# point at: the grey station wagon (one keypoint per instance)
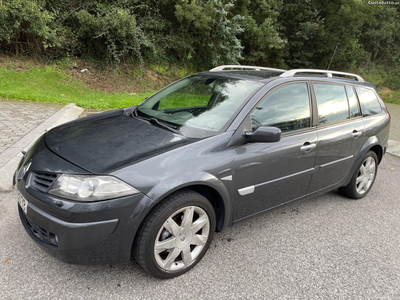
(154, 182)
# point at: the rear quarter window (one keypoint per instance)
(369, 102)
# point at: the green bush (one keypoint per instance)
(110, 32)
(26, 26)
(205, 33)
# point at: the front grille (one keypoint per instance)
(42, 181)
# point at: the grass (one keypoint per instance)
(390, 96)
(49, 84)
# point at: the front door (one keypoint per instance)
(269, 174)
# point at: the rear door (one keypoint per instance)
(340, 133)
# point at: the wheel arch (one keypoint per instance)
(372, 144)
(217, 195)
(378, 151)
(215, 199)
(206, 184)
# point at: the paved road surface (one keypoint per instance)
(17, 118)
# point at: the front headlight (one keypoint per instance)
(90, 188)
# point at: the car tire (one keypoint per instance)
(363, 178)
(176, 235)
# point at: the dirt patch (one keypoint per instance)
(130, 79)
(91, 112)
(385, 91)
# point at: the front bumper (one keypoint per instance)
(107, 241)
(54, 233)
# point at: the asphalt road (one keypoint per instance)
(327, 247)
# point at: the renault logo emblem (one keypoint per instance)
(26, 168)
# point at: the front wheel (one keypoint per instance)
(363, 178)
(175, 237)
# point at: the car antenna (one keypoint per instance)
(334, 52)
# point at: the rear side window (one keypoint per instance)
(353, 103)
(332, 103)
(287, 107)
(369, 102)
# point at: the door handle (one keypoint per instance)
(355, 134)
(307, 147)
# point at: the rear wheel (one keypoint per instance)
(363, 178)
(175, 237)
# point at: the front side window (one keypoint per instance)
(369, 102)
(287, 107)
(332, 103)
(200, 105)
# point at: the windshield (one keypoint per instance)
(200, 105)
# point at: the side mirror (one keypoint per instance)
(264, 134)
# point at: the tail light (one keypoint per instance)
(390, 118)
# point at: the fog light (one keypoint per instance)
(54, 239)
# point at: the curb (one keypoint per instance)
(10, 158)
(393, 148)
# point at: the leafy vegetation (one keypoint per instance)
(205, 33)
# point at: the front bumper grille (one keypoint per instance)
(40, 234)
(42, 181)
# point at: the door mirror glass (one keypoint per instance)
(264, 134)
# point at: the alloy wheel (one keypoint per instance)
(181, 238)
(366, 175)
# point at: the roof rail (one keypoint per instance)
(240, 67)
(328, 73)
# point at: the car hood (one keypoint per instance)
(109, 141)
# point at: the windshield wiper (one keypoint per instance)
(164, 125)
(134, 112)
(157, 122)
